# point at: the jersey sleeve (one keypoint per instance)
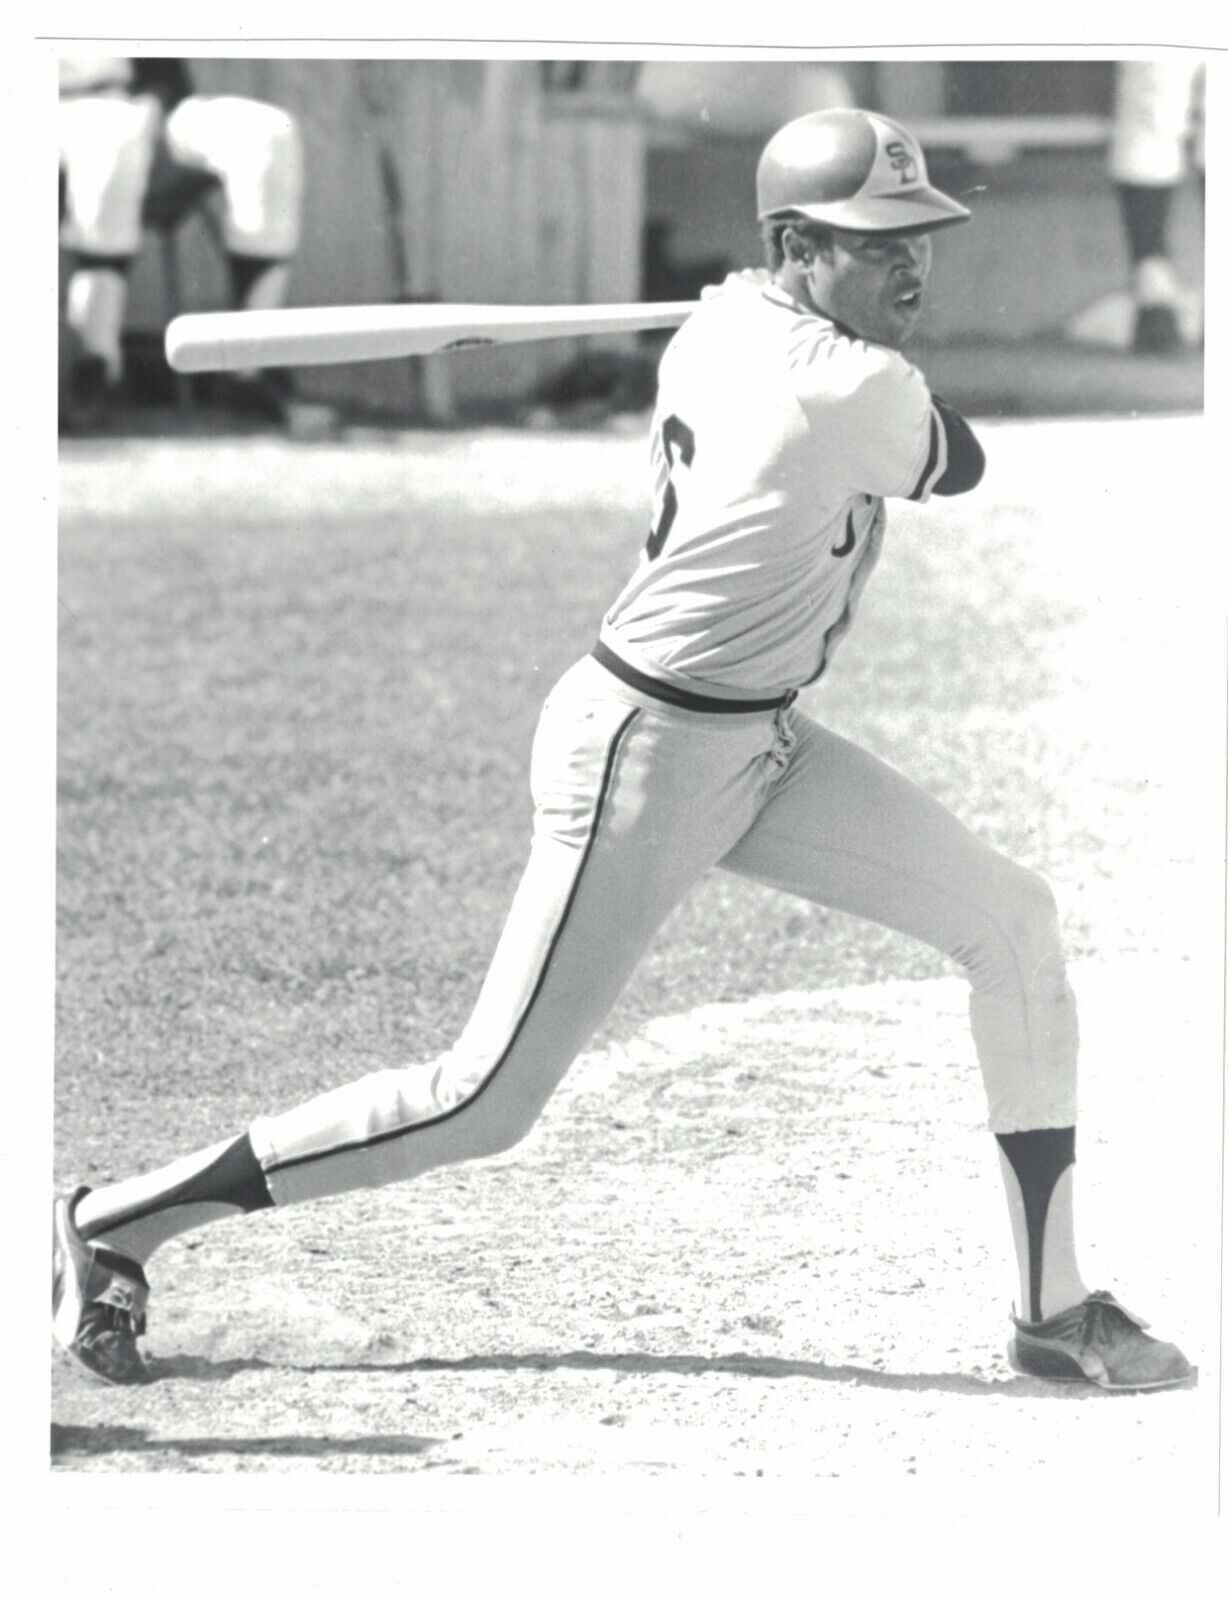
(964, 459)
(873, 420)
(937, 460)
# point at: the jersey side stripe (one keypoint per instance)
(387, 1134)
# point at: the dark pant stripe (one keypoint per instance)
(444, 1116)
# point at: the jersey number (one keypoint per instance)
(850, 539)
(678, 443)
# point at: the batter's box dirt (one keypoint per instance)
(632, 1299)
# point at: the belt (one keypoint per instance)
(674, 696)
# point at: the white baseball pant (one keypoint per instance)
(107, 144)
(634, 799)
(1158, 121)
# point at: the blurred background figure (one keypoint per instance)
(138, 149)
(1158, 135)
(609, 181)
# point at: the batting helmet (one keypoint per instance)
(851, 169)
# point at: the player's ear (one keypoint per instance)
(807, 243)
(798, 249)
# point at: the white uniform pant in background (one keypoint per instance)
(634, 801)
(1158, 121)
(107, 144)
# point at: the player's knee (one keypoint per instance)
(1030, 908)
(1019, 938)
(276, 138)
(263, 183)
(499, 1137)
(490, 1119)
(1034, 939)
(484, 1129)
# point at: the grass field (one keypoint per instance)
(758, 1233)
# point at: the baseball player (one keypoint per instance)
(131, 128)
(1158, 134)
(786, 417)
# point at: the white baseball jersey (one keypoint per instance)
(776, 437)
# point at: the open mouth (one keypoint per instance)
(910, 300)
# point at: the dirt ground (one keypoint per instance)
(658, 1284)
(757, 1236)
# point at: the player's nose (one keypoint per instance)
(911, 253)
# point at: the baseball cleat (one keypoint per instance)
(98, 1299)
(1156, 330)
(1097, 1341)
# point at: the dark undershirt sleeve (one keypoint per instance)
(965, 458)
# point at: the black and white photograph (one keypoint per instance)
(457, 1071)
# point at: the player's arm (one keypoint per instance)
(955, 462)
(879, 427)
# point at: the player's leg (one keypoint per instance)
(256, 151)
(843, 829)
(632, 802)
(106, 145)
(1153, 109)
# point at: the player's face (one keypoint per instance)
(874, 283)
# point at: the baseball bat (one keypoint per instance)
(308, 336)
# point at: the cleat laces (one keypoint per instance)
(1102, 1317)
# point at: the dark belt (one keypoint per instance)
(681, 697)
